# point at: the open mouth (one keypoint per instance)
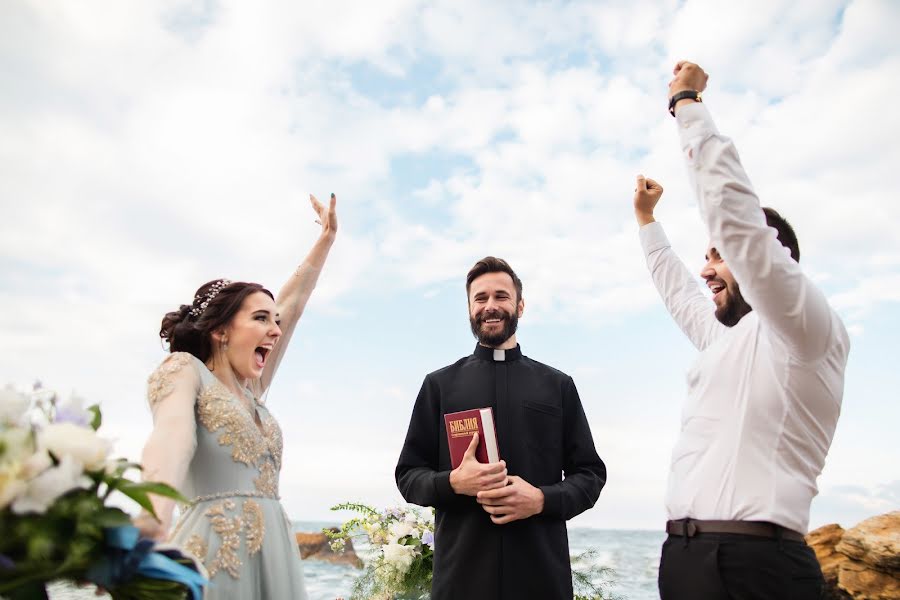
(716, 288)
(261, 354)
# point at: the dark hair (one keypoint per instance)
(786, 234)
(491, 264)
(186, 332)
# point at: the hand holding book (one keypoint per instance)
(471, 476)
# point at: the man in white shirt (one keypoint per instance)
(765, 392)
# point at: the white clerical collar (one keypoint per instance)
(499, 355)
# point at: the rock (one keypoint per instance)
(862, 582)
(315, 546)
(862, 563)
(823, 541)
(876, 542)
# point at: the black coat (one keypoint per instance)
(542, 433)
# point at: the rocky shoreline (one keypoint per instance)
(861, 563)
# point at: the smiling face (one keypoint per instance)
(730, 304)
(493, 310)
(250, 336)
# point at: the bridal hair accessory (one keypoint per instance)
(210, 295)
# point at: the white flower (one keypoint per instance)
(10, 488)
(13, 406)
(410, 518)
(398, 556)
(44, 489)
(399, 530)
(36, 464)
(81, 443)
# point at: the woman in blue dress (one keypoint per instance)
(215, 440)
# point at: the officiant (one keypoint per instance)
(500, 528)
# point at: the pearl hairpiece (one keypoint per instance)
(200, 303)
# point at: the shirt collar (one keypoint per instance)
(485, 353)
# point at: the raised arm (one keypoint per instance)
(295, 293)
(771, 281)
(172, 392)
(685, 300)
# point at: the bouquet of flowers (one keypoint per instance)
(403, 540)
(56, 478)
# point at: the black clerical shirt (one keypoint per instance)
(542, 433)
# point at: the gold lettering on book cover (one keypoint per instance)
(229, 531)
(463, 427)
(217, 409)
(160, 384)
(198, 547)
(267, 482)
(255, 526)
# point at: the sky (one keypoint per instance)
(148, 147)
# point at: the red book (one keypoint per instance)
(461, 426)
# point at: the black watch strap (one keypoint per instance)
(683, 95)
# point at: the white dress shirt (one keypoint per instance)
(763, 396)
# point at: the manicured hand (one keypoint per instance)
(518, 500)
(646, 196)
(471, 476)
(688, 76)
(326, 217)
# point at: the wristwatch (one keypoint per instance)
(683, 95)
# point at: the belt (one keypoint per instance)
(691, 527)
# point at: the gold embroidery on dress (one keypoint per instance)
(272, 433)
(160, 384)
(198, 547)
(216, 409)
(255, 526)
(267, 482)
(229, 530)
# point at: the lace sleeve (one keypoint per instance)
(172, 393)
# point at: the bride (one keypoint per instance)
(215, 440)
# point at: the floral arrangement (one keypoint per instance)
(56, 478)
(403, 539)
(404, 558)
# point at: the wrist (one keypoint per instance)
(681, 97)
(644, 218)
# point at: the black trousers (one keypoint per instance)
(726, 566)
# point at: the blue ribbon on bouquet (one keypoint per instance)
(128, 556)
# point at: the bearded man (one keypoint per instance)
(765, 392)
(500, 528)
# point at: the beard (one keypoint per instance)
(734, 308)
(509, 321)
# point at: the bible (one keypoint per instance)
(461, 426)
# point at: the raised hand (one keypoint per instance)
(688, 76)
(326, 217)
(518, 500)
(646, 196)
(471, 476)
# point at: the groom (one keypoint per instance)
(500, 528)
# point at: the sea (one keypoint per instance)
(631, 556)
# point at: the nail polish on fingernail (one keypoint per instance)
(332, 194)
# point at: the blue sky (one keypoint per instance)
(150, 147)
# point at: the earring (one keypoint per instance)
(224, 345)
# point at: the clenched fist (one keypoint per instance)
(646, 196)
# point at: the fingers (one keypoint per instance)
(332, 204)
(473, 445)
(641, 184)
(653, 185)
(503, 519)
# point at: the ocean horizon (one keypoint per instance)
(631, 555)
